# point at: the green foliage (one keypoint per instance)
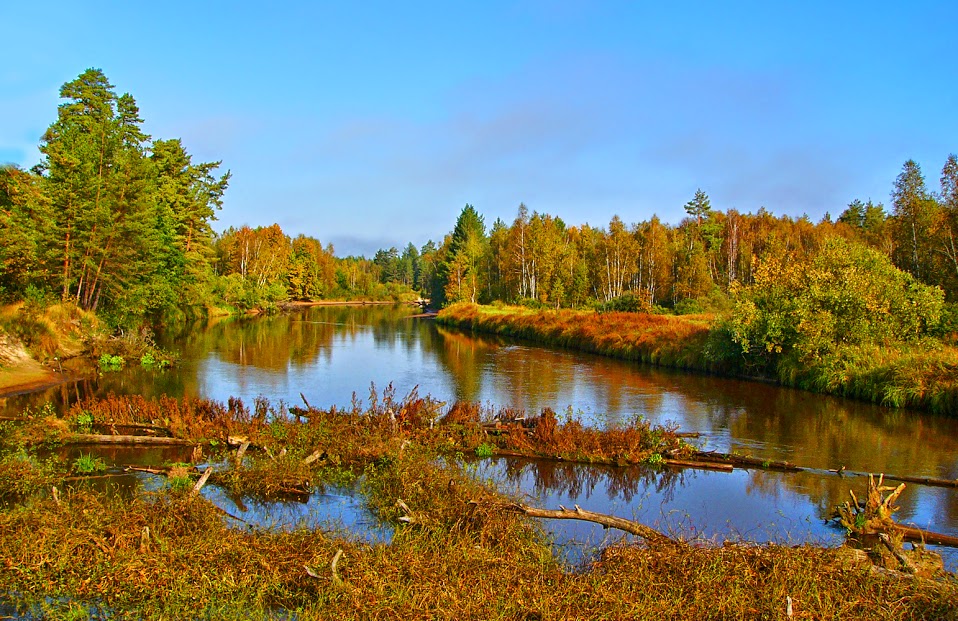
(22, 474)
(88, 464)
(654, 459)
(84, 420)
(846, 295)
(111, 362)
(179, 484)
(485, 450)
(628, 302)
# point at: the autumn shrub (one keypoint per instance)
(846, 295)
(23, 473)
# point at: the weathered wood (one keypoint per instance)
(747, 462)
(909, 533)
(923, 480)
(147, 470)
(905, 563)
(145, 426)
(203, 479)
(704, 465)
(649, 534)
(89, 438)
(314, 456)
(238, 459)
(337, 581)
(303, 397)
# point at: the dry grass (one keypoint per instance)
(454, 555)
(656, 339)
(171, 556)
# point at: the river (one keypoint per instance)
(335, 355)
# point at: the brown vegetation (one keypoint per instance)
(460, 548)
(675, 341)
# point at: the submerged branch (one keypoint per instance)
(649, 534)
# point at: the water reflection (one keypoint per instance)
(755, 506)
(333, 354)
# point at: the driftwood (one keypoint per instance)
(314, 456)
(199, 484)
(923, 480)
(704, 465)
(89, 438)
(298, 411)
(910, 533)
(145, 469)
(337, 581)
(238, 458)
(143, 426)
(785, 466)
(897, 553)
(746, 462)
(649, 534)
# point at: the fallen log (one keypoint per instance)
(609, 521)
(747, 462)
(147, 470)
(89, 438)
(203, 479)
(897, 553)
(704, 465)
(923, 480)
(910, 533)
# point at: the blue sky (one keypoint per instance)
(371, 124)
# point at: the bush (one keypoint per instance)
(846, 295)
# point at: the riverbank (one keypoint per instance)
(460, 548)
(922, 375)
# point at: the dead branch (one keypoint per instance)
(743, 461)
(337, 581)
(199, 484)
(649, 534)
(314, 456)
(238, 459)
(704, 465)
(308, 406)
(145, 469)
(918, 535)
(905, 563)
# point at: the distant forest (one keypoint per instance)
(121, 223)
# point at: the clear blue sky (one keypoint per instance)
(371, 124)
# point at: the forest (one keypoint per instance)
(121, 223)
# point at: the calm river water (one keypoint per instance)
(333, 355)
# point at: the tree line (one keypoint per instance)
(121, 223)
(540, 260)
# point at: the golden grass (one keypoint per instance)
(173, 556)
(676, 341)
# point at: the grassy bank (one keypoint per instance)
(455, 554)
(672, 341)
(920, 375)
